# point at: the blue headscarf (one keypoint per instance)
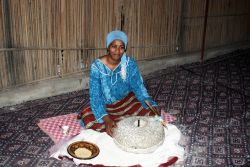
(117, 34)
(120, 35)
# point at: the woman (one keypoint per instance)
(116, 87)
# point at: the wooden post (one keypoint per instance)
(181, 43)
(204, 30)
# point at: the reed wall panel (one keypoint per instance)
(4, 73)
(153, 25)
(2, 27)
(43, 39)
(228, 23)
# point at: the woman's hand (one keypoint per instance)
(109, 124)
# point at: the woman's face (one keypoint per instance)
(116, 50)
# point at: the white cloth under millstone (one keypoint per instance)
(111, 155)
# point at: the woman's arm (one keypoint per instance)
(97, 103)
(137, 85)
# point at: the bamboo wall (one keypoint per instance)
(43, 39)
(228, 23)
(152, 26)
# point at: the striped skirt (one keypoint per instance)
(129, 106)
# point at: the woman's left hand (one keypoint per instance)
(109, 124)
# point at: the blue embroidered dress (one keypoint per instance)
(107, 86)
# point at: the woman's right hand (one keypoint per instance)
(109, 124)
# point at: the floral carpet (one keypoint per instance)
(211, 101)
